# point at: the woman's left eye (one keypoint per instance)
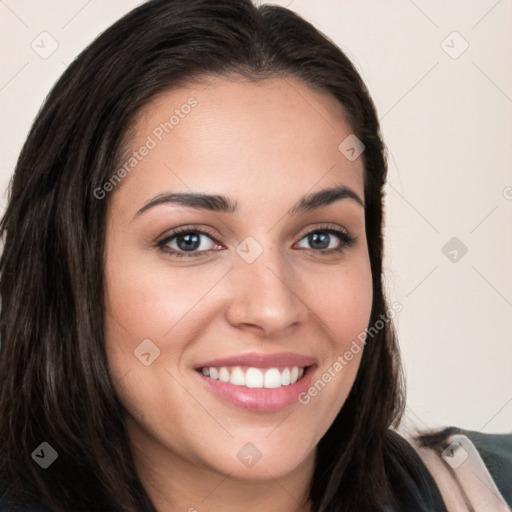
(324, 240)
(188, 242)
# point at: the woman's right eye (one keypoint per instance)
(186, 243)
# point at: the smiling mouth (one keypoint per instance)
(252, 377)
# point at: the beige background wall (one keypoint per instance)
(446, 113)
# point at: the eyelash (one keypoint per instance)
(346, 240)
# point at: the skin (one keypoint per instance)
(265, 145)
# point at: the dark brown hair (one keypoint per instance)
(54, 378)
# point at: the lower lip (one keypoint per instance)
(260, 399)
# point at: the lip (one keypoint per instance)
(259, 360)
(260, 399)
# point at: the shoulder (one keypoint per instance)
(471, 469)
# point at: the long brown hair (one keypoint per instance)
(54, 378)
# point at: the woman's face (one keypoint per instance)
(258, 293)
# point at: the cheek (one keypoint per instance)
(343, 303)
(167, 306)
(145, 302)
(149, 300)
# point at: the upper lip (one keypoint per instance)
(258, 360)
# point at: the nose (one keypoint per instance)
(265, 296)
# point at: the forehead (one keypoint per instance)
(270, 139)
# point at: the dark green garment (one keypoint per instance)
(496, 452)
(494, 449)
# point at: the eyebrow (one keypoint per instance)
(223, 204)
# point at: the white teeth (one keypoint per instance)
(237, 377)
(272, 378)
(224, 375)
(254, 377)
